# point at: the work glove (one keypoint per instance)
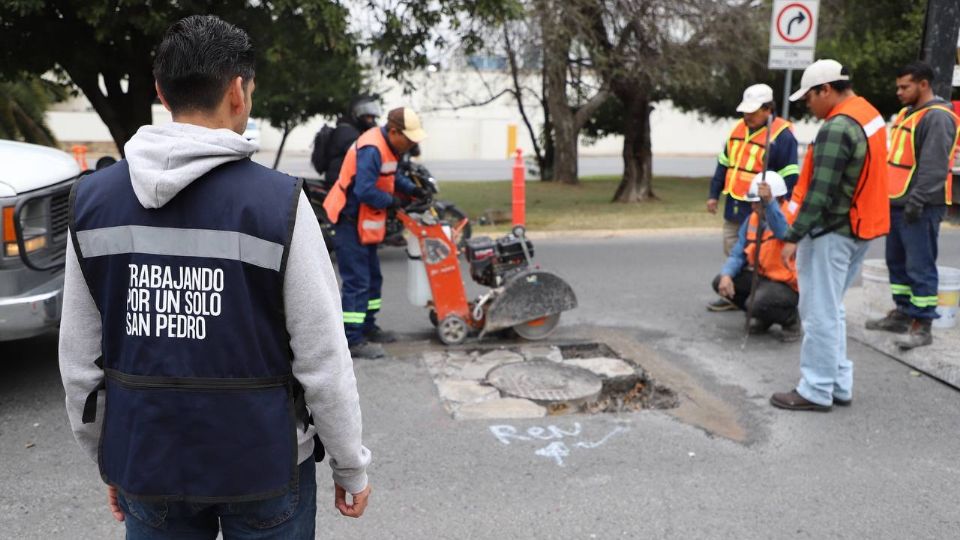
(912, 212)
(420, 194)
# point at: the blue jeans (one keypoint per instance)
(361, 279)
(826, 266)
(912, 261)
(290, 516)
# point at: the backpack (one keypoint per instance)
(320, 157)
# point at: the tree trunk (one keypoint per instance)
(123, 113)
(556, 46)
(637, 182)
(939, 43)
(287, 128)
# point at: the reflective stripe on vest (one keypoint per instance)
(870, 205)
(902, 160)
(371, 222)
(771, 265)
(744, 155)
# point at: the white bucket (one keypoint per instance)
(876, 288)
(948, 297)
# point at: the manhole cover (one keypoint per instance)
(545, 381)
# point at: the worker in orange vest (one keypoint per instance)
(843, 191)
(775, 298)
(357, 205)
(742, 158)
(923, 141)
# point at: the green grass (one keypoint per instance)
(550, 206)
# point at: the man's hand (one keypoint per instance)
(725, 287)
(395, 203)
(712, 206)
(765, 193)
(358, 505)
(912, 213)
(789, 255)
(113, 504)
(420, 194)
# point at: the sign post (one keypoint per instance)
(793, 39)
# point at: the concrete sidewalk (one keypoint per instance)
(940, 360)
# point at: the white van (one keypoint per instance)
(35, 184)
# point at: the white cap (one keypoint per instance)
(777, 186)
(817, 73)
(755, 97)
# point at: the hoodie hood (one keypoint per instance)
(167, 158)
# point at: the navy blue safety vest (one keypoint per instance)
(199, 387)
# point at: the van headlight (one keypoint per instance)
(33, 222)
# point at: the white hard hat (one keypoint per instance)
(755, 97)
(817, 73)
(777, 186)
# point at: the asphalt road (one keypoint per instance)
(298, 164)
(724, 465)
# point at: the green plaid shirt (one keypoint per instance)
(838, 157)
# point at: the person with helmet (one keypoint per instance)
(923, 139)
(357, 205)
(363, 115)
(775, 298)
(842, 190)
(742, 157)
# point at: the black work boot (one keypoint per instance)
(918, 336)
(759, 326)
(722, 304)
(791, 330)
(365, 349)
(379, 335)
(894, 321)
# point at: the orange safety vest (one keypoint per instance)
(371, 222)
(771, 264)
(744, 155)
(902, 160)
(870, 206)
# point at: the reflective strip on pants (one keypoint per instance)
(374, 305)
(924, 301)
(900, 290)
(353, 317)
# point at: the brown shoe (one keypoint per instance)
(793, 401)
(918, 336)
(894, 321)
(842, 402)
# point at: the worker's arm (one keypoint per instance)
(737, 258)
(783, 159)
(775, 219)
(719, 174)
(403, 183)
(321, 359)
(934, 139)
(79, 348)
(365, 183)
(832, 152)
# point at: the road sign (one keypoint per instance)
(793, 33)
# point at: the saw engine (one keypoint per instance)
(494, 261)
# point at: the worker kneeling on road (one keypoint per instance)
(775, 299)
(358, 206)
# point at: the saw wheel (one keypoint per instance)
(453, 330)
(537, 329)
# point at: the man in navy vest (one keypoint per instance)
(201, 313)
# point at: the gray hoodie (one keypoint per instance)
(163, 161)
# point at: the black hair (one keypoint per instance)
(197, 59)
(770, 106)
(918, 71)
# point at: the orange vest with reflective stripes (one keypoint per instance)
(870, 206)
(744, 155)
(902, 160)
(771, 264)
(371, 222)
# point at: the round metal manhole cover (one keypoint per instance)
(545, 381)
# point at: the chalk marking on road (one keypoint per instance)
(557, 450)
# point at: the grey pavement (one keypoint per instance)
(723, 465)
(298, 164)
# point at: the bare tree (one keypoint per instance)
(642, 50)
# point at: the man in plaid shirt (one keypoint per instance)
(828, 253)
